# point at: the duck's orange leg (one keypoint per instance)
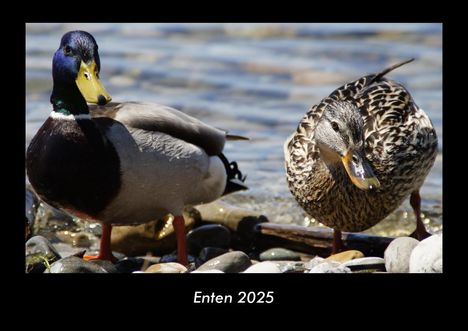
(105, 252)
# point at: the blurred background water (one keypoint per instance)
(256, 80)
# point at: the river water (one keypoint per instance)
(256, 80)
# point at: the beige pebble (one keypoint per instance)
(166, 268)
(345, 256)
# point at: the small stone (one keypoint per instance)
(166, 268)
(39, 254)
(366, 263)
(290, 266)
(129, 264)
(73, 264)
(212, 235)
(345, 256)
(265, 267)
(279, 254)
(330, 267)
(397, 255)
(211, 271)
(209, 253)
(231, 262)
(173, 258)
(106, 265)
(427, 255)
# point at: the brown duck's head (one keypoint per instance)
(340, 137)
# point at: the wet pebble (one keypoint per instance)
(173, 258)
(279, 254)
(73, 264)
(367, 264)
(129, 264)
(39, 254)
(266, 267)
(231, 262)
(397, 255)
(327, 267)
(166, 268)
(211, 271)
(212, 235)
(345, 256)
(427, 255)
(209, 253)
(106, 265)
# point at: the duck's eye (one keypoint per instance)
(67, 50)
(87, 75)
(335, 126)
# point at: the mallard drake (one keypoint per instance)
(357, 154)
(122, 163)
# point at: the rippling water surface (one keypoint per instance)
(256, 80)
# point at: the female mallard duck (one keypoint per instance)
(123, 163)
(359, 153)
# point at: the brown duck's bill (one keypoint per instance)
(89, 85)
(359, 171)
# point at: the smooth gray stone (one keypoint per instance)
(266, 267)
(426, 257)
(73, 264)
(397, 255)
(366, 263)
(211, 235)
(231, 262)
(209, 253)
(279, 254)
(167, 268)
(39, 252)
(107, 265)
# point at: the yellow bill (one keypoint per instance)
(89, 85)
(359, 171)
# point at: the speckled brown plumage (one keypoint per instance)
(400, 145)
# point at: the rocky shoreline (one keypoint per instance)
(220, 239)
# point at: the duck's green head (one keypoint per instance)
(340, 137)
(76, 63)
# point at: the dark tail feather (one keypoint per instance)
(235, 179)
(236, 137)
(393, 67)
